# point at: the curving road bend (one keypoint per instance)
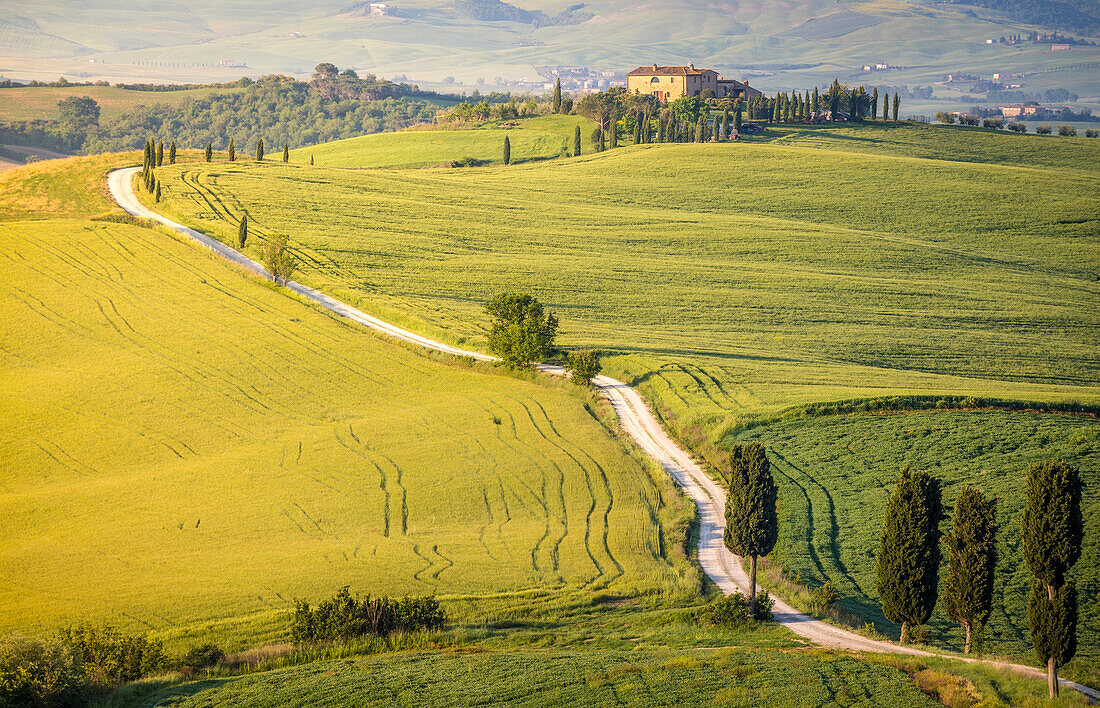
(638, 421)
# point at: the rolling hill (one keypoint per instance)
(184, 444)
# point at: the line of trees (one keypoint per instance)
(908, 560)
(838, 102)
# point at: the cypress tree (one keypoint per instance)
(874, 104)
(242, 231)
(160, 153)
(557, 96)
(614, 128)
(699, 130)
(232, 151)
(909, 552)
(897, 103)
(507, 151)
(260, 150)
(816, 104)
(737, 118)
(660, 131)
(311, 159)
(286, 152)
(971, 561)
(637, 131)
(716, 129)
(145, 160)
(209, 152)
(752, 525)
(602, 145)
(172, 153)
(725, 124)
(157, 193)
(885, 106)
(806, 105)
(1051, 532)
(775, 109)
(577, 141)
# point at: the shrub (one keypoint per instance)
(346, 617)
(37, 673)
(202, 657)
(945, 117)
(584, 365)
(733, 610)
(823, 597)
(1092, 133)
(1042, 129)
(522, 331)
(969, 120)
(1017, 127)
(1067, 130)
(276, 256)
(995, 123)
(467, 162)
(110, 658)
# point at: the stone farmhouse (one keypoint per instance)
(668, 83)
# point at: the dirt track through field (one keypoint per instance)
(638, 421)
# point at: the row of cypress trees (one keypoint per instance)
(1051, 531)
(795, 107)
(908, 559)
(671, 130)
(231, 151)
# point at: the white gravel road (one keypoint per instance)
(638, 421)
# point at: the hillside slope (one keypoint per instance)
(219, 449)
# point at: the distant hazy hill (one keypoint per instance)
(792, 44)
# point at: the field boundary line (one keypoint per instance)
(638, 421)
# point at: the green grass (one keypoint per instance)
(535, 138)
(40, 102)
(834, 473)
(185, 444)
(728, 280)
(574, 677)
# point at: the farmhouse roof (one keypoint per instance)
(655, 70)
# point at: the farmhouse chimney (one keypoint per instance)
(692, 67)
(655, 67)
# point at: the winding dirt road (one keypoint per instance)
(638, 421)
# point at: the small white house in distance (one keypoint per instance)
(379, 9)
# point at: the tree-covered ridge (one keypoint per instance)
(277, 109)
(1079, 16)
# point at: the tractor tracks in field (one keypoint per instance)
(638, 422)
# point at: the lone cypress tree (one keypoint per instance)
(637, 132)
(874, 104)
(971, 560)
(897, 103)
(209, 152)
(909, 553)
(1051, 530)
(172, 153)
(260, 150)
(157, 192)
(160, 153)
(557, 96)
(311, 159)
(576, 141)
(752, 524)
(242, 232)
(232, 150)
(286, 153)
(507, 151)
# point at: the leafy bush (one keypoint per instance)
(996, 123)
(37, 673)
(1092, 133)
(584, 365)
(823, 597)
(733, 610)
(1017, 127)
(110, 658)
(468, 162)
(945, 117)
(345, 617)
(1067, 130)
(202, 657)
(1042, 129)
(968, 120)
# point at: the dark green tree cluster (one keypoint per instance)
(347, 617)
(1051, 532)
(522, 330)
(584, 365)
(148, 169)
(838, 99)
(752, 522)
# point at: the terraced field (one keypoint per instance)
(530, 139)
(835, 473)
(182, 443)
